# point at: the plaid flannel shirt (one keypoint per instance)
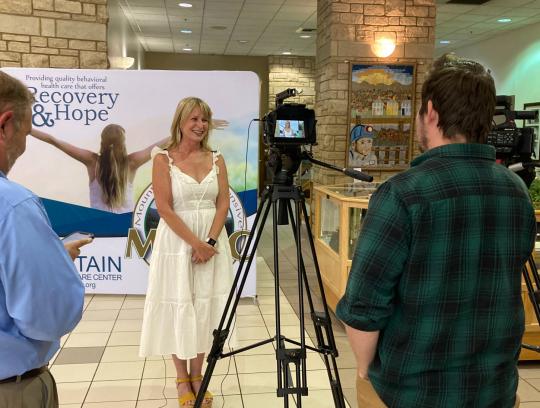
(437, 270)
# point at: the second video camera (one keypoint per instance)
(512, 144)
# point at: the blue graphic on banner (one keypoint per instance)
(66, 218)
(249, 201)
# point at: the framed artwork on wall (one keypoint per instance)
(381, 104)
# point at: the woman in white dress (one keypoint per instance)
(287, 130)
(111, 171)
(191, 265)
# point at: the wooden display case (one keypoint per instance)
(532, 330)
(339, 211)
(338, 216)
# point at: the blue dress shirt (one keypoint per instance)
(41, 293)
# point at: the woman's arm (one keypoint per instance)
(86, 157)
(161, 182)
(222, 200)
(137, 159)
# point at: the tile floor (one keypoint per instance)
(98, 365)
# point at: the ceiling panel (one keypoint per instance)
(253, 21)
(148, 10)
(145, 3)
(523, 12)
(151, 18)
(181, 20)
(454, 8)
(445, 17)
(261, 8)
(512, 3)
(490, 10)
(150, 30)
(184, 13)
(270, 25)
(470, 18)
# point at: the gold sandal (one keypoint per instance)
(187, 399)
(208, 396)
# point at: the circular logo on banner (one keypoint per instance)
(146, 219)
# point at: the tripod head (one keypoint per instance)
(284, 161)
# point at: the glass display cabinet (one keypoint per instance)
(339, 211)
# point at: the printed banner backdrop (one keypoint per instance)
(74, 106)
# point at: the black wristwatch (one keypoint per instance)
(211, 241)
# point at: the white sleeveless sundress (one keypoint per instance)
(184, 300)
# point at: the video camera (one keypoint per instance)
(290, 124)
(512, 144)
(286, 129)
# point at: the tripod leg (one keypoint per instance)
(320, 320)
(534, 271)
(285, 371)
(220, 334)
(301, 381)
(282, 367)
(534, 294)
(335, 384)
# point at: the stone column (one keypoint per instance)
(53, 33)
(346, 30)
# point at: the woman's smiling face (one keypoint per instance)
(196, 126)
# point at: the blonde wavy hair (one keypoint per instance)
(183, 110)
(112, 173)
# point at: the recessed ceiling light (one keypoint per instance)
(504, 20)
(243, 41)
(187, 49)
(186, 5)
(305, 36)
(186, 31)
(286, 53)
(218, 28)
(444, 42)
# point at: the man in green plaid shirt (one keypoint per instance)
(433, 303)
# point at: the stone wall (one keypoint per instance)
(346, 29)
(291, 72)
(53, 33)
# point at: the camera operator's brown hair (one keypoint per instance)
(14, 95)
(463, 94)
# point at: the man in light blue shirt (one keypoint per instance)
(41, 294)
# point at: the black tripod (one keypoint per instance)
(290, 354)
(534, 294)
(525, 170)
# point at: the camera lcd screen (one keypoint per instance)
(289, 129)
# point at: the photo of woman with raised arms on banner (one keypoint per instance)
(111, 171)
